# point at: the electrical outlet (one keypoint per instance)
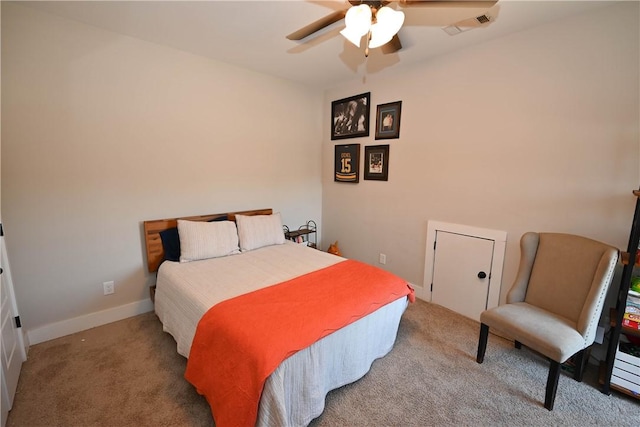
(383, 259)
(109, 287)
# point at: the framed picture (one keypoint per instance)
(388, 120)
(350, 117)
(347, 163)
(376, 162)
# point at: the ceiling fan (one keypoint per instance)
(377, 21)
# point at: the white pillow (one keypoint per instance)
(202, 240)
(257, 231)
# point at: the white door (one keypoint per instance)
(462, 273)
(13, 352)
(464, 252)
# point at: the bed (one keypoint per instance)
(293, 393)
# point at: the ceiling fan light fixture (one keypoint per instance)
(353, 36)
(388, 24)
(378, 37)
(358, 23)
(380, 30)
(390, 19)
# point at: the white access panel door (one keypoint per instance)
(12, 352)
(461, 256)
(462, 272)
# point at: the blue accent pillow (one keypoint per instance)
(171, 244)
(171, 241)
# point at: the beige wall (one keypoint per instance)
(535, 131)
(102, 131)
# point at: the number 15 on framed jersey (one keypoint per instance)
(347, 163)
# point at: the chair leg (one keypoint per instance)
(517, 344)
(482, 342)
(552, 385)
(580, 364)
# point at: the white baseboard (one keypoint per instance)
(88, 321)
(420, 292)
(99, 318)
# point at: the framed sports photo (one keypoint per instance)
(388, 120)
(350, 117)
(376, 162)
(347, 163)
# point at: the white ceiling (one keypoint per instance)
(251, 34)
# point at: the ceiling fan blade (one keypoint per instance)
(445, 3)
(317, 25)
(393, 46)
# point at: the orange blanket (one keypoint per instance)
(241, 341)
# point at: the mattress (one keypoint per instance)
(294, 394)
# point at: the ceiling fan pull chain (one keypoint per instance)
(366, 48)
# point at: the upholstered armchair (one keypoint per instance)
(555, 303)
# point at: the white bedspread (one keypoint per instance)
(294, 394)
(185, 291)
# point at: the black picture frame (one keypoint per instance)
(376, 162)
(347, 163)
(350, 116)
(388, 120)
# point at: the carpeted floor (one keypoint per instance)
(128, 374)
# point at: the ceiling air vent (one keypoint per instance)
(467, 24)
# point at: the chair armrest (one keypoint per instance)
(528, 249)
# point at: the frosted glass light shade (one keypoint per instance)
(358, 22)
(353, 36)
(388, 24)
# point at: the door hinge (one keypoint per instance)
(1, 230)
(18, 323)
(431, 290)
(434, 245)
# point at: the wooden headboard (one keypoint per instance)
(152, 229)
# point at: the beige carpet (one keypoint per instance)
(129, 374)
